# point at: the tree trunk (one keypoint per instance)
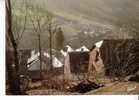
(40, 57)
(50, 44)
(13, 76)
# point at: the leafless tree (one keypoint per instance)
(13, 36)
(37, 19)
(13, 76)
(42, 22)
(19, 22)
(52, 28)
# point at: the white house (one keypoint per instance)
(33, 61)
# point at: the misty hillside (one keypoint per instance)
(95, 17)
(104, 13)
(99, 11)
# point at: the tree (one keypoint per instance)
(59, 39)
(13, 78)
(42, 22)
(19, 20)
(38, 23)
(15, 26)
(52, 27)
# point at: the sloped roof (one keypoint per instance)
(69, 49)
(56, 63)
(99, 44)
(83, 48)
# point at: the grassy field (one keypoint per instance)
(61, 87)
(113, 88)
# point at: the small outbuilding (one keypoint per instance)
(76, 63)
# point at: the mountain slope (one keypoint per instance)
(94, 17)
(102, 11)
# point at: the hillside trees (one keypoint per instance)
(133, 29)
(127, 29)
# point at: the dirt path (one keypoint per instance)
(114, 88)
(117, 88)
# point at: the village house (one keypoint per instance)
(75, 63)
(34, 65)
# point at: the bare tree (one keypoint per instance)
(51, 32)
(42, 22)
(14, 35)
(13, 78)
(40, 57)
(52, 28)
(37, 18)
(19, 21)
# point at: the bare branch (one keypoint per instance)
(38, 23)
(55, 28)
(24, 27)
(33, 24)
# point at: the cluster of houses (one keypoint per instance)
(104, 56)
(60, 61)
